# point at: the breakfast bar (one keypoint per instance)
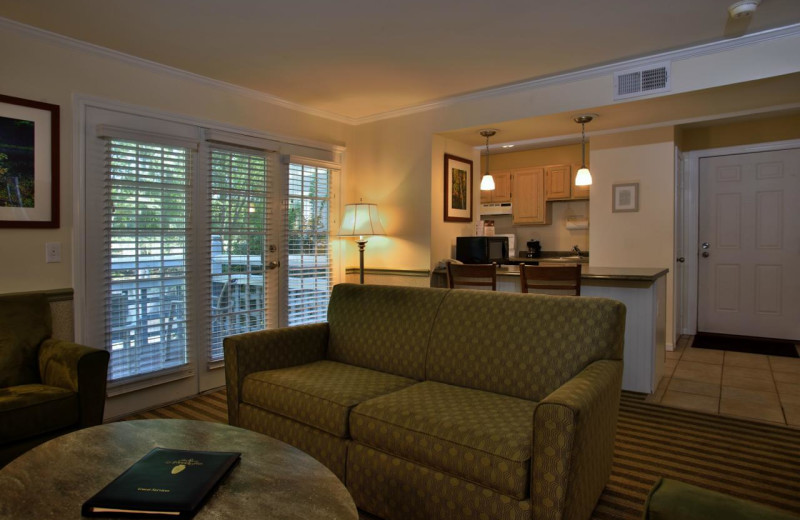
(642, 290)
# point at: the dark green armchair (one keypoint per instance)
(48, 387)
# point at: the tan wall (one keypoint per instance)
(555, 236)
(53, 73)
(644, 238)
(780, 128)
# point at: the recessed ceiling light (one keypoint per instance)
(508, 146)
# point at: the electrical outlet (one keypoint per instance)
(52, 252)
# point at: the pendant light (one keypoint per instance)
(487, 181)
(583, 177)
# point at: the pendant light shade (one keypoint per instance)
(487, 181)
(584, 176)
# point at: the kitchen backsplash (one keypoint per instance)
(552, 237)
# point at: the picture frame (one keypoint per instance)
(29, 163)
(625, 197)
(457, 189)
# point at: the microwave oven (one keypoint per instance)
(482, 250)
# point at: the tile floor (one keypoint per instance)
(750, 386)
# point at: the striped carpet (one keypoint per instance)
(755, 461)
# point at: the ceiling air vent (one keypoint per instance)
(642, 81)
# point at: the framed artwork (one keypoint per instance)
(457, 189)
(625, 197)
(29, 160)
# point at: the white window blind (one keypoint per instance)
(308, 265)
(146, 230)
(239, 220)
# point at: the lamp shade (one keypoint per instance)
(583, 177)
(487, 182)
(360, 219)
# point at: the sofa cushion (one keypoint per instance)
(479, 436)
(29, 410)
(319, 394)
(524, 345)
(382, 328)
(24, 324)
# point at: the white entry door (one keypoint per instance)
(749, 243)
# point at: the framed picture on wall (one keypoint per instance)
(29, 159)
(625, 197)
(457, 189)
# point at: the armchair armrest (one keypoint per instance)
(82, 369)
(573, 442)
(267, 350)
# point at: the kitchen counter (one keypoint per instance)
(641, 289)
(638, 274)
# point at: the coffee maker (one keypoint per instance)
(534, 249)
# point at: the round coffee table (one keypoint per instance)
(272, 481)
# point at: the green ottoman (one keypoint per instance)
(673, 500)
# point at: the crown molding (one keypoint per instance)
(788, 31)
(67, 41)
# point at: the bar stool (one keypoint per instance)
(551, 279)
(472, 275)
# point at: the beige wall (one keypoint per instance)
(781, 128)
(54, 73)
(638, 239)
(554, 236)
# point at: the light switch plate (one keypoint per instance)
(52, 252)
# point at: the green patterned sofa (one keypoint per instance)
(443, 404)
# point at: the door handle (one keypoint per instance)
(705, 245)
(681, 259)
(273, 265)
(705, 254)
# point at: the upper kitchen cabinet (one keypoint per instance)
(578, 192)
(557, 181)
(502, 188)
(529, 207)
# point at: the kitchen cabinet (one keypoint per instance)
(578, 192)
(527, 188)
(557, 181)
(502, 188)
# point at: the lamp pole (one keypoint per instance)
(362, 242)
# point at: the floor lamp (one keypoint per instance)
(361, 220)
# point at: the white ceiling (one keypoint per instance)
(360, 58)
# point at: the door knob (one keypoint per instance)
(273, 265)
(705, 254)
(681, 259)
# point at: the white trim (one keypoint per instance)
(138, 110)
(241, 140)
(691, 216)
(298, 159)
(788, 31)
(146, 137)
(78, 217)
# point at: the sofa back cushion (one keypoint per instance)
(522, 345)
(381, 327)
(24, 324)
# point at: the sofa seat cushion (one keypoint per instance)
(30, 410)
(475, 435)
(319, 394)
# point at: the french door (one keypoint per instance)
(191, 236)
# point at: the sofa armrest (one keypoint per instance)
(82, 369)
(268, 350)
(573, 442)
